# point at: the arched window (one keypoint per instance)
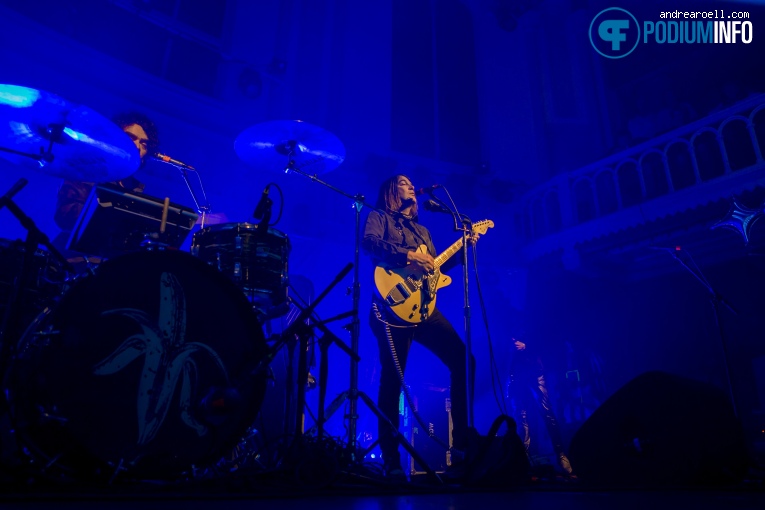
(654, 174)
(605, 191)
(708, 155)
(738, 143)
(584, 198)
(680, 164)
(630, 187)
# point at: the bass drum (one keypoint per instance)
(147, 367)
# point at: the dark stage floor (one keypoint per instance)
(401, 499)
(357, 491)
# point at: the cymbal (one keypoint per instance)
(43, 132)
(272, 145)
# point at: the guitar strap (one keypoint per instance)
(404, 387)
(412, 227)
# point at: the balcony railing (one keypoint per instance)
(714, 157)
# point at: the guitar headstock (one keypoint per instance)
(480, 227)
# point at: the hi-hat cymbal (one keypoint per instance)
(41, 131)
(272, 145)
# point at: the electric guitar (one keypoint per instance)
(410, 292)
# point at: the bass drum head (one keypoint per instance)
(146, 367)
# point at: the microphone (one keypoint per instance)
(164, 158)
(429, 190)
(433, 206)
(263, 205)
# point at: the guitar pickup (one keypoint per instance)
(397, 295)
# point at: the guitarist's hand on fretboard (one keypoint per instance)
(421, 260)
(410, 291)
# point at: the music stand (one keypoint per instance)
(115, 221)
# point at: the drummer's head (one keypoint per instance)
(141, 130)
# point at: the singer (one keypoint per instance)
(73, 194)
(393, 238)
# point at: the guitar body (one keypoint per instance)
(409, 293)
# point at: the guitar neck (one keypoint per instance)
(447, 253)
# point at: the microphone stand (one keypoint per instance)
(201, 209)
(716, 299)
(352, 394)
(463, 224)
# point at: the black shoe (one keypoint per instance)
(392, 466)
(395, 473)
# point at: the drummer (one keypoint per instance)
(73, 194)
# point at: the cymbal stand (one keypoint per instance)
(352, 394)
(54, 132)
(324, 342)
(300, 328)
(10, 329)
(353, 391)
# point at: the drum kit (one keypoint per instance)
(153, 363)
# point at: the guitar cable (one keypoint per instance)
(402, 381)
(496, 380)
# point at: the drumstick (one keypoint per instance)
(163, 223)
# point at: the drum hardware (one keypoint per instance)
(299, 147)
(40, 339)
(257, 262)
(48, 417)
(297, 334)
(326, 340)
(11, 324)
(303, 331)
(324, 344)
(263, 209)
(259, 446)
(48, 134)
(47, 276)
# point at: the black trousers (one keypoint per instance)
(439, 337)
(528, 390)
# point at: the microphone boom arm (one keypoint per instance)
(203, 208)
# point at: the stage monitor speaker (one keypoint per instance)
(435, 408)
(659, 430)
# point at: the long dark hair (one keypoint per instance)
(387, 197)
